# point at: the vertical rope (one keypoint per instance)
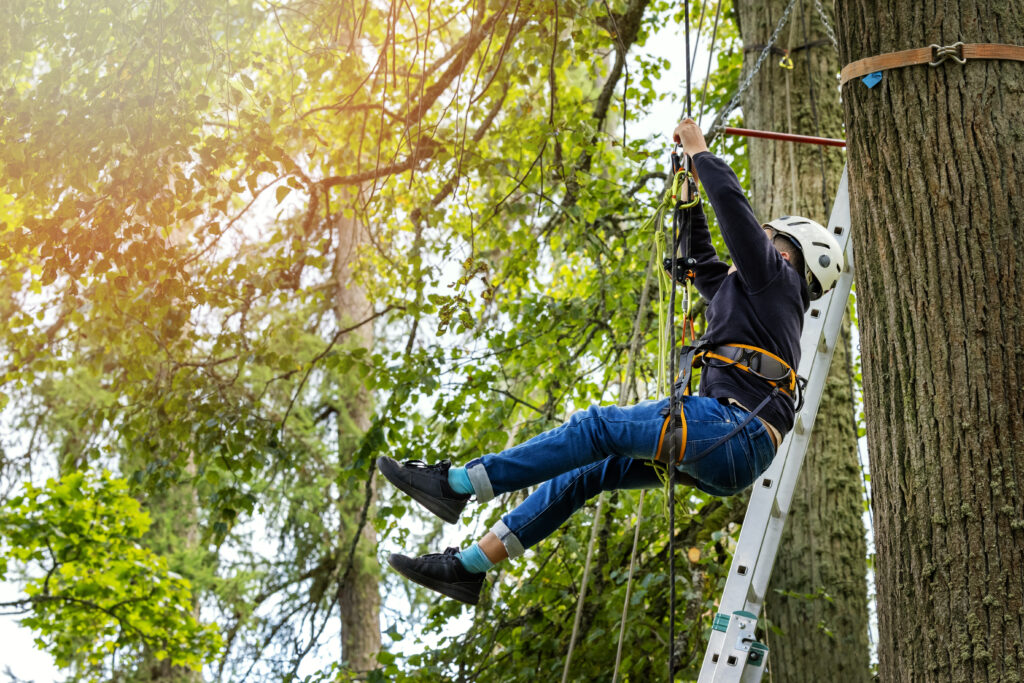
(583, 586)
(627, 381)
(629, 587)
(814, 113)
(793, 190)
(711, 55)
(673, 400)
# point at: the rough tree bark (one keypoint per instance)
(936, 164)
(823, 548)
(359, 596)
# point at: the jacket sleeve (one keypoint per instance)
(709, 271)
(757, 261)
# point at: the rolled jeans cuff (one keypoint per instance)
(508, 539)
(480, 481)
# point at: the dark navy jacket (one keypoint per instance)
(762, 304)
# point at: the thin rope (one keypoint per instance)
(814, 111)
(583, 586)
(673, 399)
(623, 400)
(673, 402)
(700, 26)
(789, 123)
(711, 55)
(629, 586)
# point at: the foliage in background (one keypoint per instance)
(93, 591)
(177, 175)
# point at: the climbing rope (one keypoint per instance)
(681, 222)
(583, 584)
(711, 56)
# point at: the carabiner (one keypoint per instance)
(786, 62)
(687, 178)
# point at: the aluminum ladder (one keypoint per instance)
(733, 652)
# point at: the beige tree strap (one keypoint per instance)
(933, 55)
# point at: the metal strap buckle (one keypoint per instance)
(941, 53)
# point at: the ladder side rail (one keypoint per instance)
(763, 524)
(764, 499)
(742, 671)
(765, 505)
(801, 442)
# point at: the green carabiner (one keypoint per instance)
(688, 177)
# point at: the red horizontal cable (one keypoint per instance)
(789, 137)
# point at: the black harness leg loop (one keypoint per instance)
(739, 428)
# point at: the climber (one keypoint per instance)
(726, 436)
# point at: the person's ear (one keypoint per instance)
(785, 255)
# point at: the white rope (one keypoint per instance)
(583, 587)
(629, 586)
(623, 400)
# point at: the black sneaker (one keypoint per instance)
(427, 484)
(441, 572)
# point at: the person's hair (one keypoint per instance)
(788, 246)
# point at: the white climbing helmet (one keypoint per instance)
(823, 259)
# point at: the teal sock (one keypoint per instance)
(458, 479)
(474, 559)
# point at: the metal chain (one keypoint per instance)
(828, 25)
(734, 102)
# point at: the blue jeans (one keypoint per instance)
(607, 447)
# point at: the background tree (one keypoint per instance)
(819, 598)
(934, 162)
(248, 248)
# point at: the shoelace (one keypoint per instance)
(448, 551)
(419, 464)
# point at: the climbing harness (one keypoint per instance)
(933, 55)
(758, 362)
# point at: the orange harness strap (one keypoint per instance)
(667, 441)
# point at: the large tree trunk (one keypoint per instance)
(823, 547)
(936, 177)
(360, 596)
